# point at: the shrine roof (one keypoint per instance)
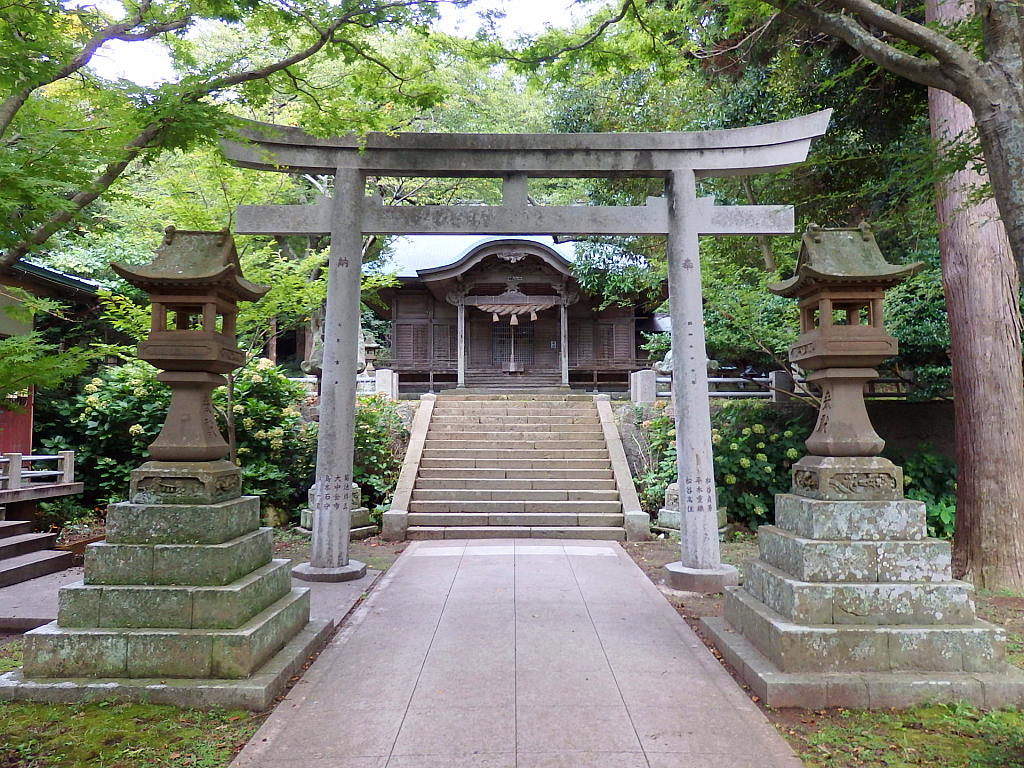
(410, 255)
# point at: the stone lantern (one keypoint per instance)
(840, 280)
(850, 604)
(185, 588)
(195, 283)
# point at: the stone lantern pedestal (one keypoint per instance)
(183, 603)
(850, 604)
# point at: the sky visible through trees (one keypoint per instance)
(148, 63)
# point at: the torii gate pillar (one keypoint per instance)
(700, 567)
(332, 521)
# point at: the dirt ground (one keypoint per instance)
(375, 552)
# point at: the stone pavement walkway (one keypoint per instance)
(516, 654)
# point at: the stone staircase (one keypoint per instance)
(515, 465)
(25, 555)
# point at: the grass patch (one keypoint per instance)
(111, 735)
(947, 735)
(10, 658)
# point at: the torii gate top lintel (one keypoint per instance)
(728, 151)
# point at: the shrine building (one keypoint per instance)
(513, 308)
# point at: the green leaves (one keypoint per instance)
(67, 134)
(28, 361)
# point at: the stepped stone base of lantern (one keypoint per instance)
(185, 594)
(850, 605)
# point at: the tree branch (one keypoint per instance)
(582, 44)
(937, 44)
(96, 187)
(149, 134)
(120, 31)
(849, 30)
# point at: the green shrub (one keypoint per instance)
(659, 457)
(755, 445)
(120, 411)
(276, 447)
(108, 423)
(931, 477)
(380, 441)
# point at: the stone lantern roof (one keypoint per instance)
(194, 261)
(841, 258)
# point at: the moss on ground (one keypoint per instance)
(113, 735)
(947, 735)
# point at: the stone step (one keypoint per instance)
(486, 385)
(554, 464)
(516, 409)
(460, 430)
(540, 440)
(512, 484)
(880, 603)
(533, 446)
(511, 507)
(585, 401)
(23, 543)
(552, 420)
(977, 647)
(522, 519)
(496, 455)
(510, 413)
(421, 532)
(54, 651)
(449, 396)
(14, 570)
(175, 607)
(926, 560)
(14, 527)
(468, 494)
(477, 475)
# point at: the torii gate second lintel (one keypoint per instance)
(680, 158)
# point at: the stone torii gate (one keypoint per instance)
(678, 158)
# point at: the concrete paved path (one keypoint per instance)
(516, 654)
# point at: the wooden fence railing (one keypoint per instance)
(17, 470)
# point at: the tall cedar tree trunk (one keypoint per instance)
(982, 297)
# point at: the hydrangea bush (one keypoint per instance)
(381, 438)
(755, 445)
(121, 410)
